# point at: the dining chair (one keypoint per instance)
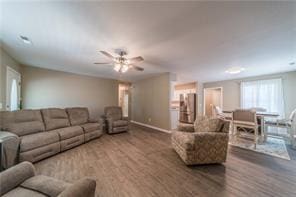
(285, 123)
(293, 132)
(218, 113)
(245, 120)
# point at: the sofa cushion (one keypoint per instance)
(120, 123)
(68, 132)
(29, 142)
(45, 185)
(89, 127)
(207, 124)
(23, 122)
(20, 191)
(78, 115)
(55, 118)
(84, 187)
(15, 175)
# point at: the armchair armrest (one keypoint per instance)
(125, 118)
(185, 128)
(201, 139)
(84, 187)
(15, 175)
(109, 121)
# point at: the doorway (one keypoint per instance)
(13, 89)
(123, 98)
(212, 97)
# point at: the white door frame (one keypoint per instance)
(9, 69)
(204, 100)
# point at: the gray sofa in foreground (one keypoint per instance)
(21, 180)
(46, 132)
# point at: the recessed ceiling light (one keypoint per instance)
(234, 70)
(26, 40)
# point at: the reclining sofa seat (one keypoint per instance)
(36, 144)
(46, 132)
(79, 116)
(56, 121)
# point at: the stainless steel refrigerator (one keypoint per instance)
(187, 113)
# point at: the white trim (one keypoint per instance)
(152, 127)
(204, 100)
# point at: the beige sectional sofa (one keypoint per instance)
(46, 132)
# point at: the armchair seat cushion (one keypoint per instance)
(89, 127)
(33, 141)
(68, 132)
(45, 185)
(120, 123)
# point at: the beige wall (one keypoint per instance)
(150, 101)
(231, 90)
(5, 60)
(47, 88)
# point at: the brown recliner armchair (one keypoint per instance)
(116, 123)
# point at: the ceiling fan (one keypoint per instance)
(122, 64)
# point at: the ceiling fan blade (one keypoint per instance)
(136, 59)
(102, 63)
(137, 67)
(107, 54)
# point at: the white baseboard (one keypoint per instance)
(152, 127)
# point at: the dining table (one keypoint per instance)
(260, 115)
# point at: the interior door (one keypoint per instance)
(124, 99)
(13, 89)
(212, 97)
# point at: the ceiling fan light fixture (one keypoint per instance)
(117, 67)
(124, 68)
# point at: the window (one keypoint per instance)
(267, 94)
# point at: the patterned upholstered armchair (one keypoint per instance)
(115, 121)
(205, 142)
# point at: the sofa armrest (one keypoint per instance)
(185, 127)
(14, 176)
(84, 187)
(10, 149)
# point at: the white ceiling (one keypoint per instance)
(196, 40)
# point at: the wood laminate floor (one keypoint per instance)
(142, 163)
